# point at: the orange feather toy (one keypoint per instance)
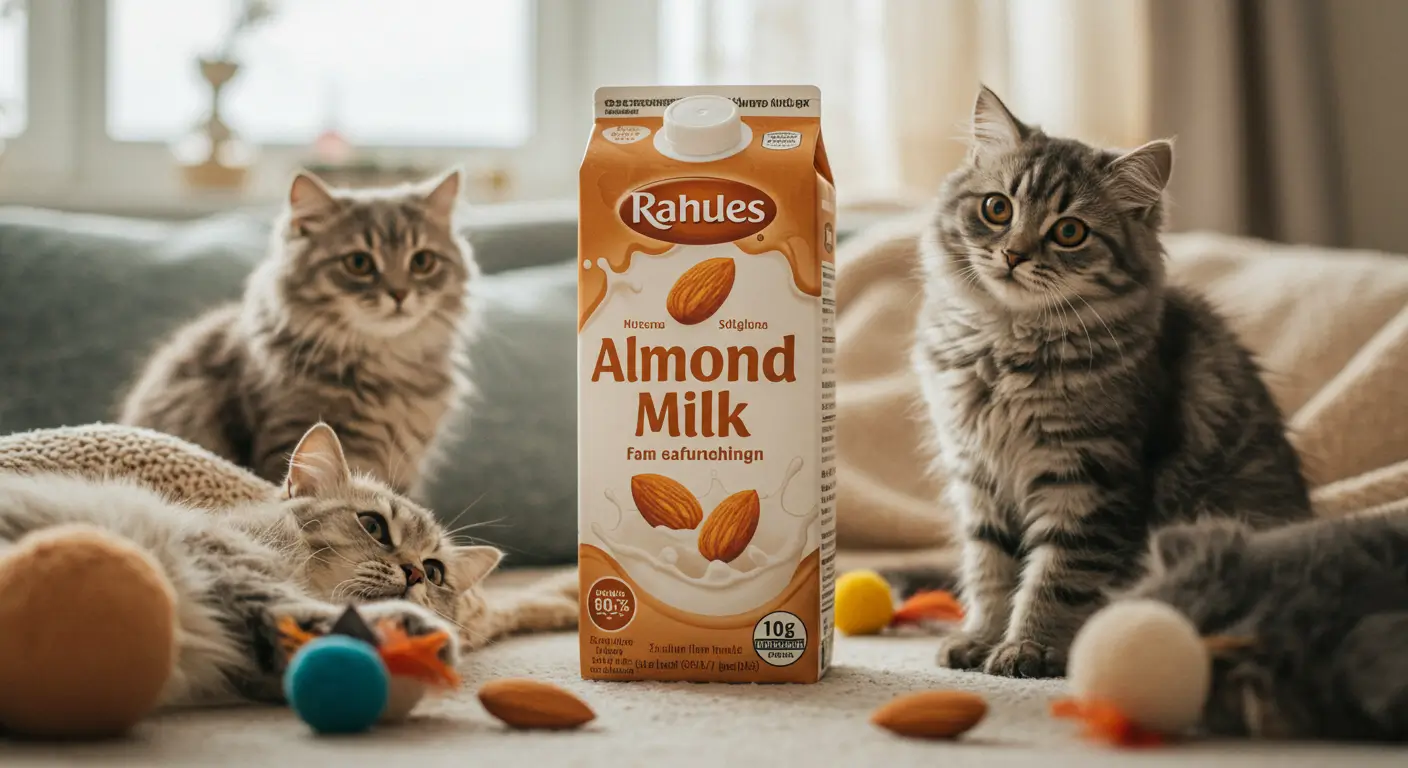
(415, 657)
(928, 605)
(1106, 723)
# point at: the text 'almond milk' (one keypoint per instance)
(706, 392)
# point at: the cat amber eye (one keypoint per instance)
(997, 209)
(359, 263)
(424, 262)
(1069, 232)
(375, 526)
(434, 572)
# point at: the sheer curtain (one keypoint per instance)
(898, 77)
(1246, 87)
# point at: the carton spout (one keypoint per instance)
(702, 129)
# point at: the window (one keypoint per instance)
(13, 79)
(115, 95)
(451, 74)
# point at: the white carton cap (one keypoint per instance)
(702, 128)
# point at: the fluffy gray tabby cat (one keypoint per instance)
(337, 539)
(352, 319)
(1078, 401)
(1318, 613)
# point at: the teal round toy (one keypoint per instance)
(337, 684)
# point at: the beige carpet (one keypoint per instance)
(650, 724)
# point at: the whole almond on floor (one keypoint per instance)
(932, 714)
(523, 703)
(730, 527)
(663, 501)
(700, 291)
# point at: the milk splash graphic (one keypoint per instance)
(666, 562)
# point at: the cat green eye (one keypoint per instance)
(424, 262)
(375, 526)
(997, 209)
(1069, 232)
(434, 572)
(359, 263)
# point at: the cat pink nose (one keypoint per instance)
(398, 295)
(1014, 258)
(414, 575)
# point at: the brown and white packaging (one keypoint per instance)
(706, 400)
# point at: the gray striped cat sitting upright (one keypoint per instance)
(352, 319)
(1079, 401)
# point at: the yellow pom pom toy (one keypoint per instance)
(864, 603)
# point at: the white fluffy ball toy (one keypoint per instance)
(1147, 661)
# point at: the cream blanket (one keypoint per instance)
(1329, 327)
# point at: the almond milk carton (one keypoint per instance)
(706, 392)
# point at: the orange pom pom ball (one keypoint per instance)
(89, 634)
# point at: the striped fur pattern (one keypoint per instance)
(335, 539)
(1316, 613)
(1078, 401)
(356, 318)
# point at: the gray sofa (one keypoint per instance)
(83, 299)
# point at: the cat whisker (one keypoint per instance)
(1089, 345)
(344, 558)
(477, 524)
(1118, 347)
(462, 512)
(1060, 333)
(333, 594)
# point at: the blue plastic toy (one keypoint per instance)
(337, 684)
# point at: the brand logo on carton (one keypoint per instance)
(697, 211)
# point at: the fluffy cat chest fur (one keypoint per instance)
(1014, 403)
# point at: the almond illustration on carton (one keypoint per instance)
(700, 291)
(523, 703)
(932, 714)
(730, 527)
(664, 502)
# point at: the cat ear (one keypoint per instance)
(469, 565)
(1137, 178)
(1176, 543)
(308, 197)
(994, 127)
(317, 464)
(445, 195)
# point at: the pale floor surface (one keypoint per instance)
(651, 724)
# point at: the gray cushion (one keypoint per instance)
(84, 299)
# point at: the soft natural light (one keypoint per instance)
(452, 73)
(12, 67)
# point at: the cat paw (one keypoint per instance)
(1025, 658)
(963, 651)
(415, 621)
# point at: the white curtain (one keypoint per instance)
(898, 76)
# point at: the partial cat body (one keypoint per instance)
(1317, 613)
(356, 318)
(336, 538)
(1078, 400)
